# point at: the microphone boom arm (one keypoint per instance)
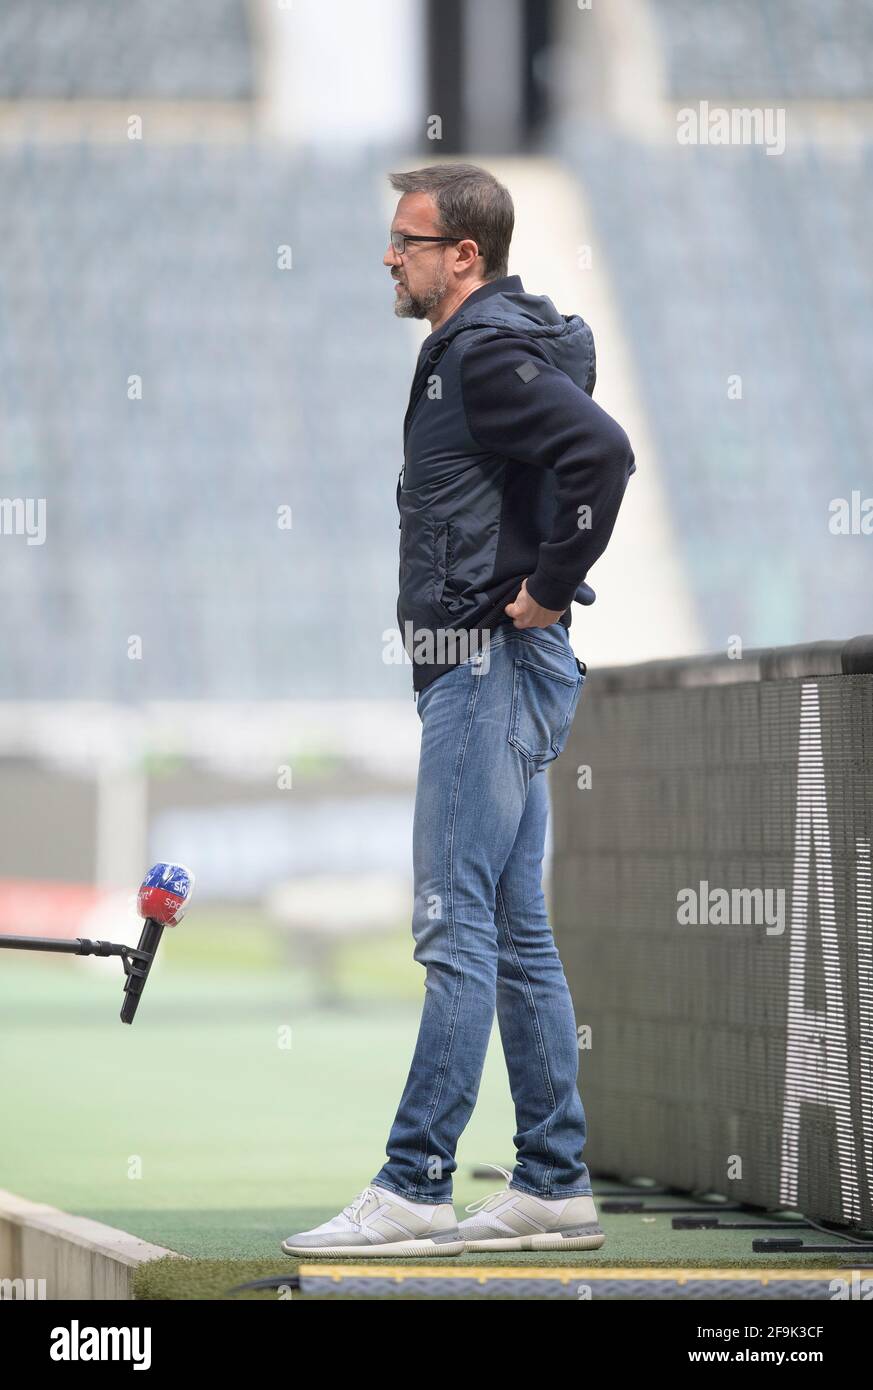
(137, 960)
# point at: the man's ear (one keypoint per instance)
(462, 247)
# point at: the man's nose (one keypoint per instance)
(390, 257)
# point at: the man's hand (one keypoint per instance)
(526, 612)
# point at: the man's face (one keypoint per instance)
(419, 274)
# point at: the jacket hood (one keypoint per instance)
(566, 339)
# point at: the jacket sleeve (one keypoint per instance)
(522, 407)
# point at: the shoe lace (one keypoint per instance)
(482, 1203)
(354, 1208)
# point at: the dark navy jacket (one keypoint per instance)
(504, 453)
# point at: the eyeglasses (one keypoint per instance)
(399, 240)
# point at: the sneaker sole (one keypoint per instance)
(425, 1249)
(549, 1240)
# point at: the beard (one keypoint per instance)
(419, 306)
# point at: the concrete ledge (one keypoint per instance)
(74, 1256)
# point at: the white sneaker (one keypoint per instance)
(379, 1222)
(514, 1220)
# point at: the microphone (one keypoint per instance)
(163, 899)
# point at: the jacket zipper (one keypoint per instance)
(400, 524)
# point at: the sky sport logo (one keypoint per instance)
(75, 1343)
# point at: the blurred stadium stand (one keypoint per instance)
(730, 262)
(161, 261)
(780, 50)
(100, 49)
(264, 387)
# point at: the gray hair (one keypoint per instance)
(471, 203)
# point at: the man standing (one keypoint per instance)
(510, 488)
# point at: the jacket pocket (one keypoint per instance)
(443, 591)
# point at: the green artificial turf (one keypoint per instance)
(198, 1130)
(196, 1127)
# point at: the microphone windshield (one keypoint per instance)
(165, 893)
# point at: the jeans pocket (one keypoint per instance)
(544, 699)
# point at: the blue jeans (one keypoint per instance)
(490, 728)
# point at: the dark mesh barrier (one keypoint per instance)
(711, 894)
